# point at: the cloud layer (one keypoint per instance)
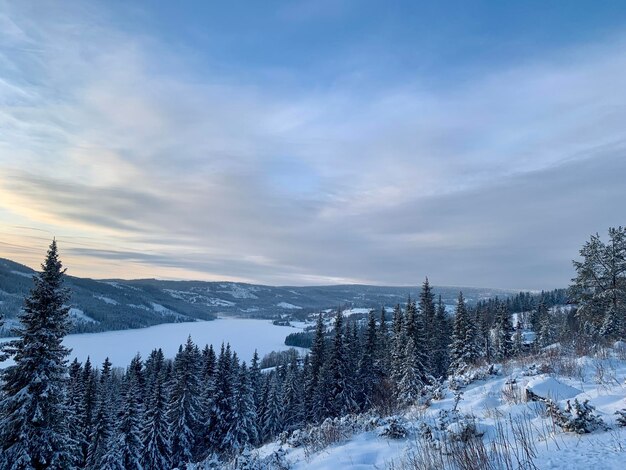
(113, 142)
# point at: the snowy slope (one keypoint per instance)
(499, 407)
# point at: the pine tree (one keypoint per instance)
(313, 392)
(600, 284)
(459, 348)
(244, 420)
(34, 431)
(427, 343)
(273, 416)
(293, 405)
(255, 386)
(128, 438)
(102, 434)
(223, 402)
(156, 438)
(504, 332)
(75, 394)
(398, 343)
(441, 341)
(184, 413)
(368, 378)
(341, 393)
(410, 385)
(89, 400)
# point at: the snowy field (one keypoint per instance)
(244, 336)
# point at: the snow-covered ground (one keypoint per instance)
(499, 405)
(244, 336)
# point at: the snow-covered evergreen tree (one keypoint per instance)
(368, 377)
(427, 335)
(504, 332)
(103, 426)
(128, 446)
(156, 437)
(462, 350)
(34, 428)
(314, 392)
(184, 412)
(600, 284)
(273, 413)
(441, 340)
(293, 403)
(411, 384)
(223, 402)
(243, 421)
(341, 393)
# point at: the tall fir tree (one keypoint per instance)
(102, 433)
(313, 395)
(34, 430)
(459, 350)
(273, 414)
(341, 393)
(504, 332)
(223, 402)
(156, 453)
(441, 340)
(243, 430)
(428, 343)
(184, 411)
(128, 438)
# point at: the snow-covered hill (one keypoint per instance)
(102, 305)
(499, 416)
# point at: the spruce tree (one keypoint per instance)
(184, 413)
(88, 409)
(223, 402)
(34, 428)
(441, 341)
(313, 392)
(458, 348)
(341, 393)
(102, 434)
(427, 343)
(243, 421)
(504, 332)
(156, 437)
(128, 438)
(273, 414)
(293, 405)
(368, 378)
(410, 384)
(75, 394)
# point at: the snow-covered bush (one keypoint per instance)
(579, 417)
(314, 438)
(394, 429)
(457, 381)
(621, 418)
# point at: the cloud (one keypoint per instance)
(491, 181)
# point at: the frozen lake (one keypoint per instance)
(244, 336)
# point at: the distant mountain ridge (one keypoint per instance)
(102, 305)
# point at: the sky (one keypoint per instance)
(479, 143)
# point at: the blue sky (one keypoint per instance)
(312, 142)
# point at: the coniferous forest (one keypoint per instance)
(209, 403)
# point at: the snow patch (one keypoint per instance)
(78, 316)
(21, 273)
(288, 306)
(106, 300)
